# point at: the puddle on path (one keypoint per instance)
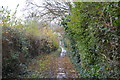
(61, 73)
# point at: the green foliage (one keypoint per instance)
(93, 32)
(22, 41)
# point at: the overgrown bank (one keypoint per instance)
(22, 41)
(93, 31)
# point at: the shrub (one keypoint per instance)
(93, 32)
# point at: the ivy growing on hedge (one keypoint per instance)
(93, 29)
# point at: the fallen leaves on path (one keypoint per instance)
(50, 65)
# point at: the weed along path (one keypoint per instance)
(53, 66)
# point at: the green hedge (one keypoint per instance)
(93, 29)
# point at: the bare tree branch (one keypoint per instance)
(50, 9)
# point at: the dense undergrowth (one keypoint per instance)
(23, 41)
(93, 31)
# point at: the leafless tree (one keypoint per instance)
(48, 11)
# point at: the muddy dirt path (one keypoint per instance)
(63, 68)
(52, 66)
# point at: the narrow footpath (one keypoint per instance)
(53, 66)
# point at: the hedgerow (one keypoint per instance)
(21, 42)
(93, 31)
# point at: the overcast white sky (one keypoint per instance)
(13, 3)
